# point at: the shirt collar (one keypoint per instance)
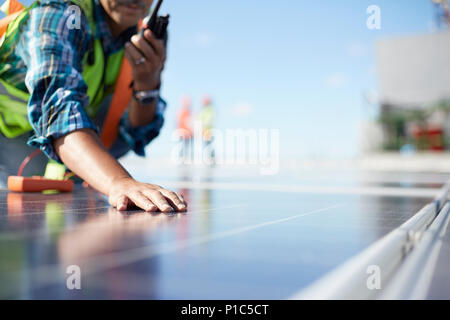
(102, 31)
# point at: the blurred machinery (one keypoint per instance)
(414, 88)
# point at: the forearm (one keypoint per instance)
(83, 153)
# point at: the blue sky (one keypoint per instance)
(298, 66)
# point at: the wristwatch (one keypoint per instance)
(146, 97)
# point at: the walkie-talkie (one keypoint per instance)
(157, 24)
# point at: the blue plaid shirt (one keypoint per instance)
(47, 60)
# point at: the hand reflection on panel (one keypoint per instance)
(103, 234)
(105, 247)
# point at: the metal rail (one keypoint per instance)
(398, 256)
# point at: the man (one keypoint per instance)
(206, 119)
(56, 67)
(184, 129)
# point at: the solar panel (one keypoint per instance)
(233, 243)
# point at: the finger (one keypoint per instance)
(158, 199)
(122, 203)
(173, 199)
(133, 52)
(128, 56)
(145, 48)
(181, 197)
(157, 45)
(143, 202)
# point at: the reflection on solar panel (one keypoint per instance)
(237, 241)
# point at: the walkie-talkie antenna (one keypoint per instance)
(155, 13)
(156, 24)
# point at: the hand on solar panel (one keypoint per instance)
(149, 197)
(104, 173)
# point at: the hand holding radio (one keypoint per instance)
(147, 52)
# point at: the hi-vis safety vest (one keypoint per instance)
(115, 73)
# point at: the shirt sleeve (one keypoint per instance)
(52, 52)
(138, 137)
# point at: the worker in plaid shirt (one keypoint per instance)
(46, 61)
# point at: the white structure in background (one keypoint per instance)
(414, 74)
(414, 71)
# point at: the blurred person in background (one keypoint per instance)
(206, 119)
(184, 129)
